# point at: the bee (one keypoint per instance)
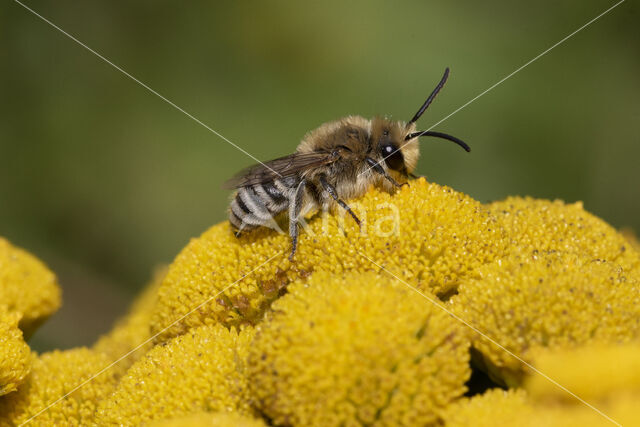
(337, 161)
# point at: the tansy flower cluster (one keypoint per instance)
(391, 323)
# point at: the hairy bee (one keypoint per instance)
(333, 163)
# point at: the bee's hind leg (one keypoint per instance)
(238, 230)
(243, 229)
(334, 194)
(294, 212)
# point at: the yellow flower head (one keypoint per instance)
(52, 376)
(206, 419)
(547, 300)
(631, 237)
(202, 370)
(496, 407)
(27, 287)
(356, 348)
(594, 372)
(515, 408)
(606, 376)
(431, 236)
(15, 358)
(622, 410)
(544, 225)
(132, 331)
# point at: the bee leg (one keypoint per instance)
(334, 194)
(239, 231)
(379, 169)
(294, 211)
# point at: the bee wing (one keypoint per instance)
(279, 168)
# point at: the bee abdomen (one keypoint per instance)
(274, 196)
(256, 205)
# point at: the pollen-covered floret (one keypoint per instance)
(52, 376)
(27, 287)
(430, 235)
(496, 407)
(358, 348)
(546, 300)
(15, 357)
(544, 225)
(129, 334)
(202, 370)
(206, 419)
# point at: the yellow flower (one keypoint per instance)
(631, 237)
(515, 408)
(543, 225)
(593, 372)
(27, 287)
(52, 376)
(133, 330)
(202, 370)
(496, 407)
(15, 358)
(621, 409)
(546, 300)
(431, 236)
(358, 348)
(205, 419)
(606, 376)
(330, 338)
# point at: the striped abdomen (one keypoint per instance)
(257, 205)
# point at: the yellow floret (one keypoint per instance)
(357, 349)
(495, 407)
(202, 370)
(544, 225)
(549, 300)
(130, 333)
(205, 419)
(431, 236)
(592, 372)
(27, 286)
(15, 358)
(52, 376)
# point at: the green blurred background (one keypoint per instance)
(103, 180)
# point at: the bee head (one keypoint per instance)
(388, 139)
(394, 140)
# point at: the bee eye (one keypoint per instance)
(393, 157)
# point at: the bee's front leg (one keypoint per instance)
(295, 205)
(334, 194)
(375, 166)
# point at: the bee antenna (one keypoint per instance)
(448, 137)
(426, 104)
